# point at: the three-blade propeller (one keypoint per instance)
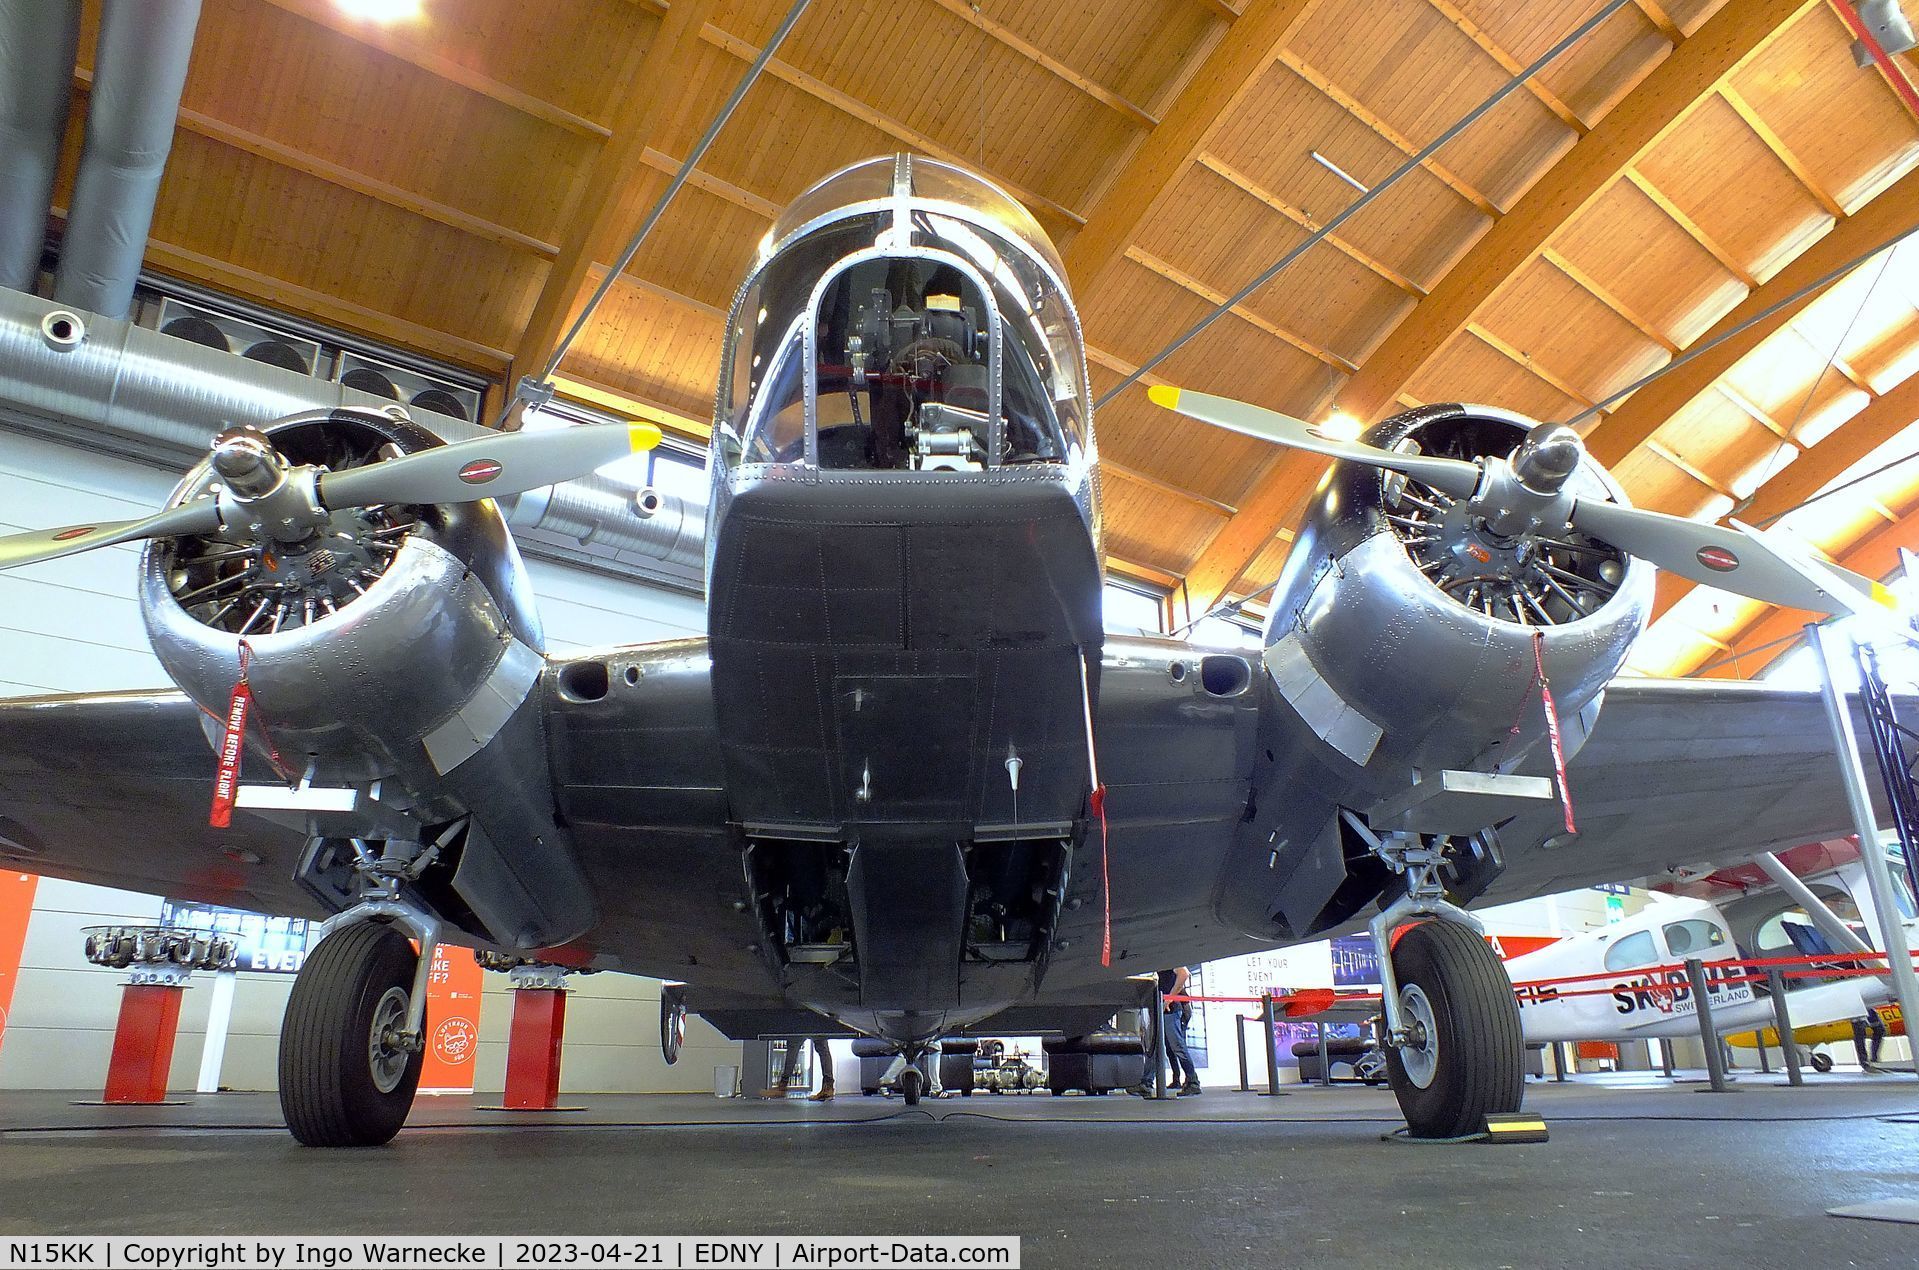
(1733, 558)
(466, 472)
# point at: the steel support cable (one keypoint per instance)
(1358, 205)
(542, 389)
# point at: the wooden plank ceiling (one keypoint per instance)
(455, 184)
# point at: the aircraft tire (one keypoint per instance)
(1473, 1062)
(911, 1084)
(334, 1090)
(1821, 1063)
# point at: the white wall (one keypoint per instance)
(73, 625)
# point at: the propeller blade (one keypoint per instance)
(487, 467)
(1736, 558)
(1450, 476)
(199, 517)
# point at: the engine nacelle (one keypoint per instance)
(1402, 643)
(1406, 636)
(396, 653)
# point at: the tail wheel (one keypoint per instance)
(1466, 1057)
(912, 1084)
(344, 1081)
(1821, 1063)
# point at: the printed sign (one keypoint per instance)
(452, 1021)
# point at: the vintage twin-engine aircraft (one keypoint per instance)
(906, 782)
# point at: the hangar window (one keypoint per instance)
(1635, 949)
(1132, 611)
(1690, 938)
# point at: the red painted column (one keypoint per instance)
(143, 1042)
(533, 1051)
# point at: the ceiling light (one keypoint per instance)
(1340, 427)
(1338, 171)
(384, 12)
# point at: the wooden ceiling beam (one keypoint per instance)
(1006, 37)
(675, 416)
(394, 43)
(1112, 467)
(1815, 469)
(660, 161)
(1530, 364)
(1193, 286)
(1733, 36)
(653, 91)
(1662, 21)
(1298, 215)
(205, 125)
(1391, 135)
(1510, 64)
(1692, 228)
(867, 113)
(1598, 291)
(1642, 414)
(291, 297)
(1771, 139)
(1146, 178)
(1222, 9)
(1728, 40)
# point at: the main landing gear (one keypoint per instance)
(350, 1048)
(1450, 1026)
(354, 1038)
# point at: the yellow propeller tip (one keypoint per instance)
(642, 436)
(1882, 594)
(1164, 395)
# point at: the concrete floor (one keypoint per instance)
(1633, 1176)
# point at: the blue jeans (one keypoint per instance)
(1174, 1027)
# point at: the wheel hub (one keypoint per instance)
(387, 1052)
(1419, 1050)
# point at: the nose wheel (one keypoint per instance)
(912, 1084)
(1458, 1054)
(349, 1064)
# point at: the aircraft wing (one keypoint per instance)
(1684, 772)
(114, 788)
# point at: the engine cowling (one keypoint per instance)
(394, 652)
(1419, 627)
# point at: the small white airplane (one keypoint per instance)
(1640, 988)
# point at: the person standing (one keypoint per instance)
(1173, 1020)
(795, 1048)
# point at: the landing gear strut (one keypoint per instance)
(1450, 1027)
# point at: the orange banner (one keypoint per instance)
(16, 903)
(452, 1021)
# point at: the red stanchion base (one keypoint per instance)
(533, 1053)
(143, 1043)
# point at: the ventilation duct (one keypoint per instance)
(38, 40)
(139, 68)
(84, 376)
